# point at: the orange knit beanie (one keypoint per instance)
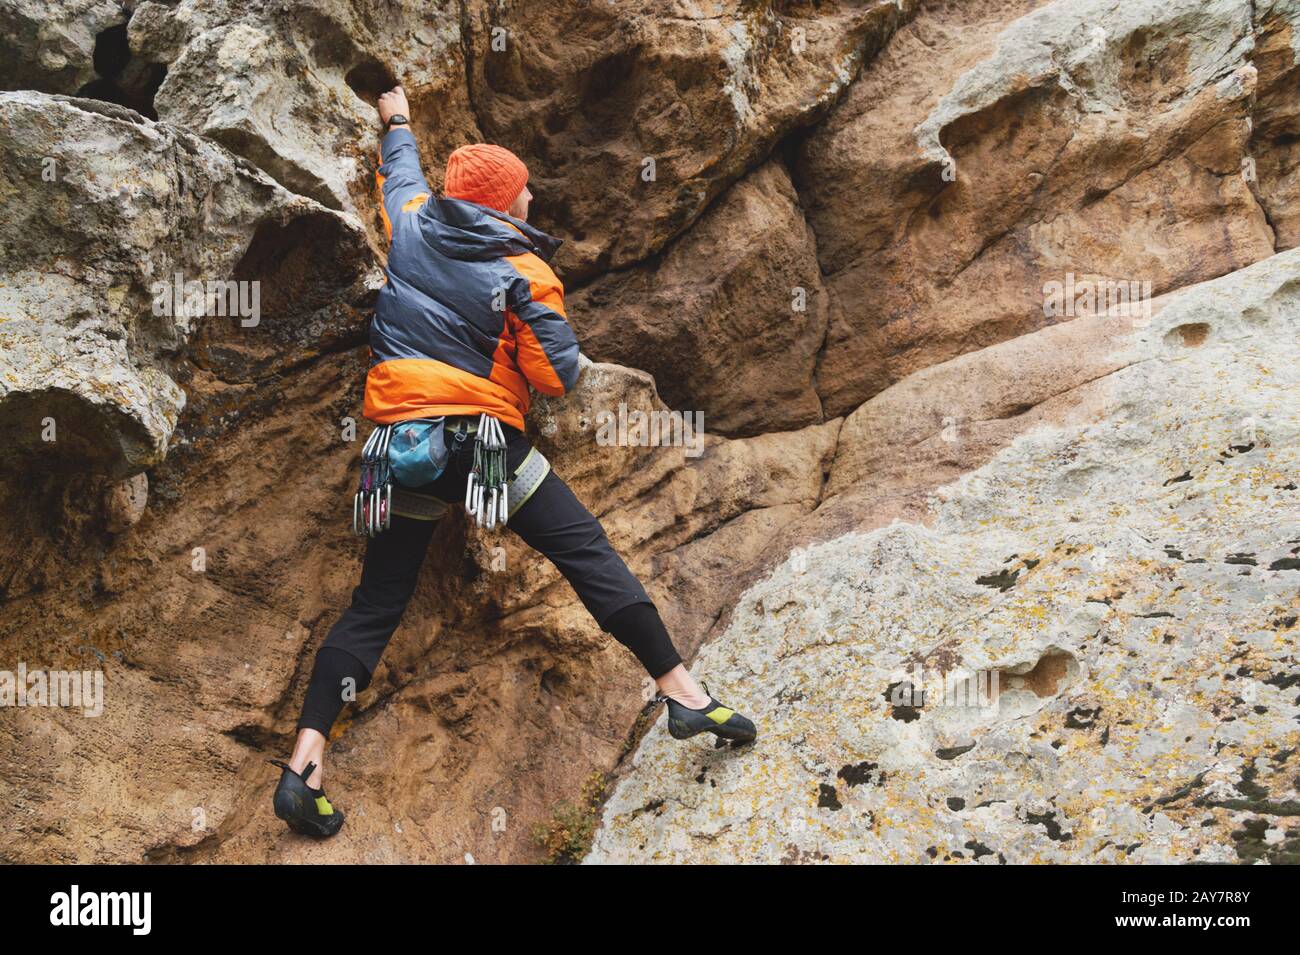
(489, 175)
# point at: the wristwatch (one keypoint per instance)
(397, 119)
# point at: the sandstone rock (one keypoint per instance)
(590, 93)
(104, 210)
(292, 88)
(1275, 139)
(729, 319)
(1109, 457)
(585, 92)
(497, 669)
(981, 157)
(1130, 582)
(125, 502)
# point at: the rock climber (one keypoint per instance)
(469, 318)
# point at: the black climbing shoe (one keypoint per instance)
(723, 721)
(306, 810)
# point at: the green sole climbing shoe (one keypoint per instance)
(306, 810)
(722, 721)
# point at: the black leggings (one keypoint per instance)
(553, 522)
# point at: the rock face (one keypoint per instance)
(293, 89)
(743, 282)
(656, 112)
(1084, 655)
(110, 221)
(633, 121)
(50, 44)
(978, 160)
(229, 630)
(830, 230)
(1275, 137)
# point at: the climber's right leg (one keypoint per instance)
(345, 662)
(355, 643)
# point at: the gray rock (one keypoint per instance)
(49, 45)
(292, 88)
(103, 210)
(1079, 46)
(125, 502)
(1133, 704)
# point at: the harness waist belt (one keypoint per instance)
(425, 507)
(422, 507)
(527, 479)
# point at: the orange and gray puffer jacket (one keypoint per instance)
(471, 314)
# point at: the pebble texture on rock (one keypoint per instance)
(1133, 583)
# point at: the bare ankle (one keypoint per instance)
(679, 685)
(309, 749)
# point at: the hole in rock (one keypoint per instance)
(608, 86)
(1094, 195)
(1047, 677)
(287, 299)
(553, 680)
(300, 265)
(1189, 335)
(369, 78)
(58, 433)
(122, 78)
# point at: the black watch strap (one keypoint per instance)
(397, 119)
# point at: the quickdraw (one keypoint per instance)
(372, 506)
(492, 495)
(486, 491)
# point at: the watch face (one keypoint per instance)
(397, 119)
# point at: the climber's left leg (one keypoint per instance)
(352, 648)
(557, 525)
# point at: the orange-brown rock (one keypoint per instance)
(981, 157)
(729, 319)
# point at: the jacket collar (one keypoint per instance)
(467, 230)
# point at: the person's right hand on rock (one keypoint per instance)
(393, 103)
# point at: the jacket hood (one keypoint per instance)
(468, 231)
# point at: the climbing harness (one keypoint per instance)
(372, 506)
(420, 507)
(528, 478)
(492, 494)
(487, 490)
